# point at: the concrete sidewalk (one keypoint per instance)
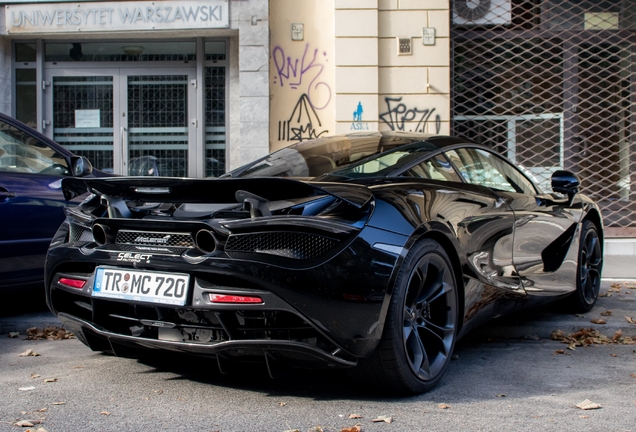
(620, 258)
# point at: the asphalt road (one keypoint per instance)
(507, 376)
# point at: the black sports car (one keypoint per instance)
(374, 251)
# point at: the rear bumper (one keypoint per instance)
(100, 339)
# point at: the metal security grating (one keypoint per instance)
(158, 125)
(286, 244)
(550, 85)
(215, 140)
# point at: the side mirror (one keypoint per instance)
(80, 166)
(565, 182)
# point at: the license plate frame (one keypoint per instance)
(144, 286)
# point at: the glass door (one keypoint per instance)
(160, 121)
(125, 121)
(80, 113)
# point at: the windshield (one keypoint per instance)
(356, 155)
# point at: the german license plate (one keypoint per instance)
(143, 286)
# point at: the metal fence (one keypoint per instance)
(550, 84)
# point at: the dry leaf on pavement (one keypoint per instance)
(355, 428)
(606, 313)
(282, 403)
(14, 334)
(24, 423)
(614, 355)
(26, 388)
(48, 333)
(59, 403)
(633, 375)
(598, 321)
(106, 413)
(587, 405)
(34, 375)
(559, 352)
(385, 419)
(50, 380)
(28, 353)
(443, 406)
(630, 320)
(355, 416)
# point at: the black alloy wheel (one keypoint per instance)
(421, 325)
(590, 265)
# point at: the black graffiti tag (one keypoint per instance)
(397, 115)
(303, 124)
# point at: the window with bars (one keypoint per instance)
(549, 84)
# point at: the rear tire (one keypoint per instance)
(421, 324)
(589, 268)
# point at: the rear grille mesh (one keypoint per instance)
(285, 244)
(80, 234)
(141, 238)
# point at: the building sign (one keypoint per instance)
(116, 16)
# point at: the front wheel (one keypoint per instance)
(590, 265)
(421, 324)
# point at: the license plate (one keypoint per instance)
(143, 286)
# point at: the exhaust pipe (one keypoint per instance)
(205, 241)
(102, 234)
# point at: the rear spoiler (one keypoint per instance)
(187, 190)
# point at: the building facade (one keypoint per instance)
(197, 87)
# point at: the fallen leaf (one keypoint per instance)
(606, 313)
(385, 419)
(318, 429)
(583, 416)
(34, 375)
(355, 428)
(48, 333)
(24, 423)
(443, 406)
(282, 403)
(41, 429)
(616, 285)
(598, 321)
(502, 395)
(571, 347)
(355, 416)
(59, 403)
(614, 355)
(617, 335)
(455, 357)
(106, 413)
(158, 391)
(588, 405)
(630, 320)
(41, 410)
(14, 334)
(633, 375)
(557, 335)
(291, 430)
(26, 388)
(559, 352)
(50, 380)
(28, 353)
(605, 294)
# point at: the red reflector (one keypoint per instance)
(73, 283)
(221, 298)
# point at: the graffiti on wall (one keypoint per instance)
(398, 114)
(358, 124)
(303, 74)
(303, 124)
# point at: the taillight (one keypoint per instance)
(73, 283)
(222, 298)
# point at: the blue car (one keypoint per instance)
(31, 201)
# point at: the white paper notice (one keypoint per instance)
(87, 118)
